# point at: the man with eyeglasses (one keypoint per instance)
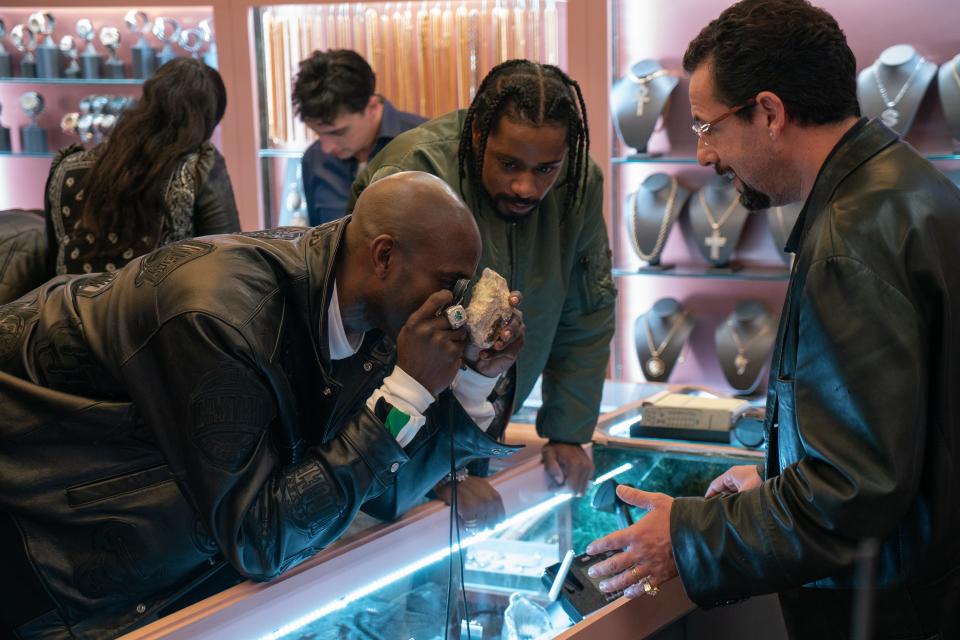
(862, 423)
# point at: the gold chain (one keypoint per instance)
(663, 345)
(716, 224)
(664, 223)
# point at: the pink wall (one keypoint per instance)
(661, 31)
(22, 179)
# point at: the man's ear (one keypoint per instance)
(774, 112)
(381, 254)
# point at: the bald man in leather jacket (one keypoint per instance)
(232, 399)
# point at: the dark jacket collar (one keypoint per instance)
(391, 124)
(320, 248)
(863, 141)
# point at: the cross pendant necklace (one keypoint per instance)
(716, 241)
(643, 91)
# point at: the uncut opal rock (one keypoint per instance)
(489, 308)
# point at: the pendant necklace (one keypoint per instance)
(643, 91)
(891, 116)
(655, 365)
(715, 241)
(664, 224)
(740, 361)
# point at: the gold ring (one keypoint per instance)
(648, 588)
(636, 573)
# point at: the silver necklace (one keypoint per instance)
(643, 91)
(664, 224)
(654, 365)
(740, 361)
(891, 116)
(715, 241)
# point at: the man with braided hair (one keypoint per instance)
(519, 158)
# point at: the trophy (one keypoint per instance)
(191, 41)
(68, 47)
(33, 139)
(4, 137)
(6, 66)
(144, 56)
(210, 57)
(167, 31)
(48, 55)
(110, 38)
(91, 62)
(25, 41)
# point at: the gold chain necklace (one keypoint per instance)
(741, 361)
(715, 241)
(643, 91)
(664, 223)
(655, 365)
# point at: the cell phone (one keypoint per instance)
(580, 594)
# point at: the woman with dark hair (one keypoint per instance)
(156, 180)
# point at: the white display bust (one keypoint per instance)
(948, 83)
(744, 341)
(660, 336)
(638, 100)
(893, 87)
(650, 213)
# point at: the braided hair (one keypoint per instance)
(535, 93)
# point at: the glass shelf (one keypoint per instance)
(73, 81)
(693, 271)
(280, 153)
(664, 159)
(8, 154)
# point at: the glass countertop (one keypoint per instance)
(411, 602)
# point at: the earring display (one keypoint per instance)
(110, 38)
(659, 336)
(191, 41)
(48, 54)
(4, 136)
(639, 100)
(781, 221)
(948, 83)
(744, 342)
(33, 139)
(892, 87)
(96, 118)
(167, 31)
(91, 62)
(143, 56)
(68, 47)
(717, 219)
(6, 64)
(210, 57)
(25, 41)
(652, 210)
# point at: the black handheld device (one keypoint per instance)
(580, 594)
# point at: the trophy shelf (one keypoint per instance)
(72, 81)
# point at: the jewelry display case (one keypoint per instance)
(80, 61)
(691, 256)
(391, 581)
(428, 57)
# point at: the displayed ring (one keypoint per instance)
(456, 316)
(648, 587)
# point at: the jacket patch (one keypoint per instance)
(164, 261)
(114, 561)
(93, 285)
(64, 360)
(228, 416)
(278, 233)
(14, 318)
(311, 497)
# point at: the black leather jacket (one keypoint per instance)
(184, 411)
(862, 412)
(23, 253)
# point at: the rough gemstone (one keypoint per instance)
(489, 308)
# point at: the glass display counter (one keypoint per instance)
(392, 581)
